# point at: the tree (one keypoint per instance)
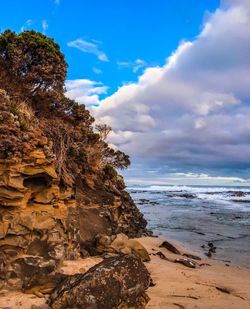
(103, 131)
(33, 72)
(115, 158)
(35, 61)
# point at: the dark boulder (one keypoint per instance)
(117, 282)
(187, 195)
(167, 245)
(238, 193)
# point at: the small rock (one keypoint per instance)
(186, 262)
(210, 244)
(170, 247)
(212, 250)
(208, 254)
(191, 256)
(162, 256)
(152, 283)
(120, 243)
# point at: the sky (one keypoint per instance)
(172, 78)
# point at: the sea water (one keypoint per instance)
(194, 216)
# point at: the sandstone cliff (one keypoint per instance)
(47, 213)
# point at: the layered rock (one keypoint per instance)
(33, 214)
(43, 220)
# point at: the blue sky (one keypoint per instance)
(124, 30)
(171, 77)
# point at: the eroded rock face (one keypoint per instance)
(33, 212)
(117, 282)
(42, 221)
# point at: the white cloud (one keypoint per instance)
(45, 25)
(85, 91)
(97, 71)
(192, 113)
(89, 47)
(27, 24)
(134, 65)
(151, 177)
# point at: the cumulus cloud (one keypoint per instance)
(89, 47)
(85, 91)
(193, 113)
(134, 65)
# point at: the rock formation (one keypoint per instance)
(120, 243)
(59, 188)
(117, 282)
(43, 222)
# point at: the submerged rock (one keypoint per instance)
(238, 193)
(187, 195)
(117, 282)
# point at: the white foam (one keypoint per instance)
(218, 195)
(191, 189)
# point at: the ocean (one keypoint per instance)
(195, 216)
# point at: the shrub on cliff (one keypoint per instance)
(35, 60)
(33, 72)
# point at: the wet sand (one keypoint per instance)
(215, 287)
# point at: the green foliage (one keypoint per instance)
(116, 158)
(34, 60)
(113, 157)
(110, 172)
(33, 72)
(72, 112)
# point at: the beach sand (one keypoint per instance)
(177, 286)
(213, 286)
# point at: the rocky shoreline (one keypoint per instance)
(206, 219)
(179, 279)
(204, 283)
